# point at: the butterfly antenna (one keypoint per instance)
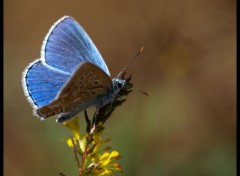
(139, 52)
(145, 93)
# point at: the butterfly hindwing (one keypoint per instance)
(41, 83)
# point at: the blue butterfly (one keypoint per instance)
(70, 75)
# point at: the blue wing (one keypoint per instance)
(41, 83)
(67, 45)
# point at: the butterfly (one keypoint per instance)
(70, 74)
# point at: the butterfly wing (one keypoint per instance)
(67, 45)
(42, 83)
(81, 91)
(64, 48)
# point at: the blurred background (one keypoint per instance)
(188, 124)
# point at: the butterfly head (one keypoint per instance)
(118, 84)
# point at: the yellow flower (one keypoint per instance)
(104, 164)
(73, 125)
(90, 146)
(71, 142)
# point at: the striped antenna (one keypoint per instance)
(139, 52)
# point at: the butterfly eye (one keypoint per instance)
(119, 85)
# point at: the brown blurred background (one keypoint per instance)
(188, 124)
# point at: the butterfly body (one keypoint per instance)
(70, 76)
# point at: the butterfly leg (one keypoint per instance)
(88, 121)
(66, 116)
(95, 117)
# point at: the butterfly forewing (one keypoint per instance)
(67, 45)
(84, 87)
